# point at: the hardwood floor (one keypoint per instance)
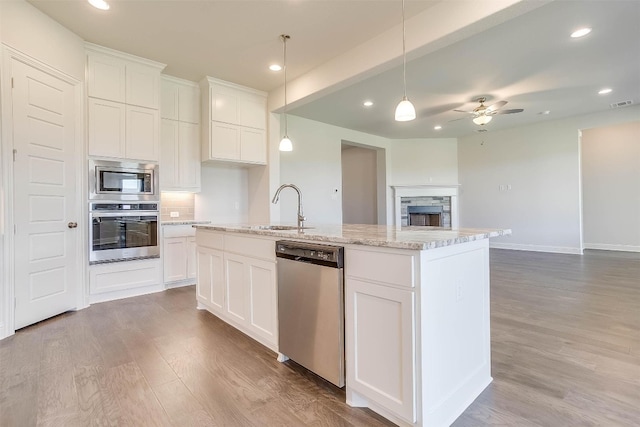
(565, 352)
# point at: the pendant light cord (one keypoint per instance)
(284, 63)
(404, 56)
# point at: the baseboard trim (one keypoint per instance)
(536, 248)
(608, 247)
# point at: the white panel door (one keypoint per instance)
(191, 257)
(46, 259)
(225, 141)
(263, 293)
(236, 289)
(175, 259)
(106, 128)
(143, 86)
(189, 103)
(106, 77)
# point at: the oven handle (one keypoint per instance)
(127, 213)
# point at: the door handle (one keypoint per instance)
(72, 225)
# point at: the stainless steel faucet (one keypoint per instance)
(301, 217)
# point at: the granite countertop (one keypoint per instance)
(417, 238)
(184, 222)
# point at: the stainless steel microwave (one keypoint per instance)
(112, 180)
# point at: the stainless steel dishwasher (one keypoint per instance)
(311, 307)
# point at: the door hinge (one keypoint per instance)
(15, 229)
(15, 152)
(12, 86)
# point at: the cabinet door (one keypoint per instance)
(224, 106)
(169, 100)
(253, 112)
(262, 294)
(191, 257)
(189, 103)
(253, 146)
(142, 142)
(175, 258)
(380, 342)
(169, 137)
(107, 128)
(189, 156)
(106, 77)
(236, 287)
(210, 283)
(143, 86)
(225, 141)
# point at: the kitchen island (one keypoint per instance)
(417, 336)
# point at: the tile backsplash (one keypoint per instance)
(183, 203)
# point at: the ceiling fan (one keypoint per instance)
(483, 114)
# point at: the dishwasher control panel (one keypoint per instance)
(310, 252)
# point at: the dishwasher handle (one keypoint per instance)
(330, 256)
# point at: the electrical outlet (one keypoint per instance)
(501, 187)
(174, 214)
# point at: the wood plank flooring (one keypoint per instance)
(565, 352)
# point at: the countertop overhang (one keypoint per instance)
(389, 236)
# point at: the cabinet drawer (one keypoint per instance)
(251, 247)
(211, 240)
(391, 268)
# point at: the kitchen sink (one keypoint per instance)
(276, 227)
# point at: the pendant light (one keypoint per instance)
(285, 143)
(405, 111)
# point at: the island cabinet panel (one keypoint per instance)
(240, 285)
(175, 258)
(192, 265)
(210, 283)
(381, 346)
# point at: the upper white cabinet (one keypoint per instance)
(234, 120)
(180, 100)
(180, 135)
(124, 98)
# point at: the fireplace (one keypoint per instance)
(430, 204)
(430, 216)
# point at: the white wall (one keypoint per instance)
(541, 162)
(314, 165)
(30, 31)
(611, 187)
(224, 197)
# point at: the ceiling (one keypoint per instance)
(529, 60)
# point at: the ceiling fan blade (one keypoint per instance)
(463, 111)
(496, 106)
(463, 118)
(515, 110)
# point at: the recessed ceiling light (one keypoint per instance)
(99, 4)
(275, 67)
(438, 127)
(604, 91)
(580, 33)
(367, 103)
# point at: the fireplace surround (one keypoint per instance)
(406, 192)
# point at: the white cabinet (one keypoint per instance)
(179, 255)
(237, 282)
(380, 339)
(380, 329)
(124, 279)
(180, 135)
(122, 131)
(234, 118)
(124, 97)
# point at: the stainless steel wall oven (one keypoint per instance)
(111, 180)
(123, 231)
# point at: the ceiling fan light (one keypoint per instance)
(482, 120)
(285, 144)
(405, 111)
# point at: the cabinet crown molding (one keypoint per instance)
(178, 80)
(91, 47)
(213, 81)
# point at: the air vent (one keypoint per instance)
(620, 104)
(482, 130)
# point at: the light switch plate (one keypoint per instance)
(174, 214)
